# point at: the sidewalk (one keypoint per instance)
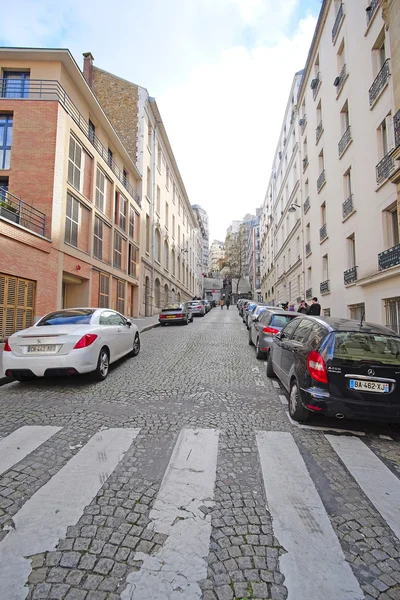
(143, 324)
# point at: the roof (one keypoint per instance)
(342, 324)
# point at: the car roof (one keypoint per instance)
(342, 324)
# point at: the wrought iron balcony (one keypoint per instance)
(385, 167)
(306, 204)
(371, 9)
(315, 83)
(323, 234)
(324, 287)
(308, 248)
(305, 163)
(348, 206)
(379, 83)
(389, 258)
(321, 180)
(48, 89)
(345, 141)
(318, 132)
(339, 81)
(338, 22)
(350, 275)
(309, 293)
(16, 210)
(303, 123)
(396, 126)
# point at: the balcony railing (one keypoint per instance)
(303, 123)
(308, 248)
(380, 81)
(315, 83)
(350, 275)
(16, 210)
(309, 293)
(306, 204)
(344, 141)
(323, 234)
(396, 126)
(324, 287)
(348, 206)
(385, 167)
(339, 81)
(389, 258)
(305, 163)
(321, 180)
(338, 22)
(371, 9)
(318, 132)
(49, 89)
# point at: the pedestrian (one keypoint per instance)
(228, 302)
(221, 303)
(284, 305)
(303, 307)
(315, 308)
(291, 307)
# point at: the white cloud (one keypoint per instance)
(224, 122)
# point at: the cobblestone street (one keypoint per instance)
(186, 443)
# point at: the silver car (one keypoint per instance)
(265, 326)
(197, 307)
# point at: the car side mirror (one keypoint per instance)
(129, 322)
(256, 319)
(279, 336)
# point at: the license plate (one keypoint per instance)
(170, 317)
(369, 386)
(42, 348)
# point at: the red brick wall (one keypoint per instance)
(31, 173)
(95, 289)
(70, 266)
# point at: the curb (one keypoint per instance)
(5, 380)
(148, 327)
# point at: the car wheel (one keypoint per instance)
(270, 368)
(250, 340)
(163, 324)
(259, 353)
(103, 365)
(187, 321)
(296, 409)
(136, 345)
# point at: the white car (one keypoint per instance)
(70, 342)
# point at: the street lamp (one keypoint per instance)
(293, 208)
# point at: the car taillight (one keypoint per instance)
(316, 367)
(199, 306)
(162, 316)
(7, 347)
(179, 316)
(85, 341)
(272, 330)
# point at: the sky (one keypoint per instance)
(220, 70)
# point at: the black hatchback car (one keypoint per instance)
(338, 367)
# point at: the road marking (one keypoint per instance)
(275, 384)
(180, 511)
(302, 526)
(21, 442)
(378, 483)
(283, 399)
(44, 519)
(322, 428)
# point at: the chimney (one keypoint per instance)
(88, 67)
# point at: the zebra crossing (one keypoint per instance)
(183, 506)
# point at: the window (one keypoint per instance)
(132, 260)
(173, 262)
(167, 178)
(317, 334)
(100, 190)
(323, 214)
(15, 84)
(104, 290)
(345, 117)
(158, 202)
(74, 163)
(391, 226)
(392, 313)
(325, 268)
(98, 238)
(357, 311)
(179, 235)
(117, 250)
(303, 330)
(347, 184)
(384, 141)
(149, 135)
(166, 255)
(125, 176)
(121, 210)
(173, 193)
(321, 161)
(309, 277)
(308, 233)
(72, 221)
(148, 184)
(148, 233)
(6, 123)
(351, 251)
(121, 296)
(179, 205)
(110, 157)
(290, 328)
(17, 301)
(157, 245)
(166, 215)
(131, 222)
(159, 158)
(173, 226)
(92, 131)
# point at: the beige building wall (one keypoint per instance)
(217, 254)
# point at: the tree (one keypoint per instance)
(235, 255)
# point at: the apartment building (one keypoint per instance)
(170, 269)
(204, 234)
(253, 255)
(69, 194)
(217, 255)
(349, 204)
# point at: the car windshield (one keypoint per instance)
(67, 317)
(174, 306)
(374, 347)
(280, 320)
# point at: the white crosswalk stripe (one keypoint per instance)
(302, 525)
(44, 519)
(22, 442)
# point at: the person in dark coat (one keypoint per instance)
(303, 307)
(315, 308)
(228, 302)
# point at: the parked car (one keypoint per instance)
(247, 309)
(265, 325)
(242, 307)
(207, 305)
(176, 312)
(197, 307)
(71, 342)
(338, 367)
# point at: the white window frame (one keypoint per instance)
(72, 214)
(101, 190)
(75, 164)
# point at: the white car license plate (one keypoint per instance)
(42, 348)
(369, 386)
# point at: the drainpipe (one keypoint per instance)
(153, 203)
